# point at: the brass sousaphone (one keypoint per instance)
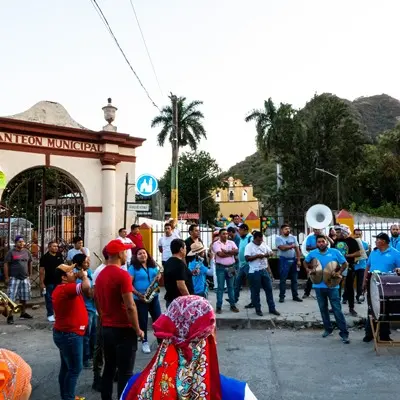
(332, 277)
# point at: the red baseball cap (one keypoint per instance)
(116, 246)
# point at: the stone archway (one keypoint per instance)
(42, 204)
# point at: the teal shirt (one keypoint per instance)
(244, 241)
(384, 261)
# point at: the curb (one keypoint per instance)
(261, 323)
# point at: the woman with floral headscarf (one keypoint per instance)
(185, 366)
(15, 377)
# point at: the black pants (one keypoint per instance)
(307, 289)
(384, 330)
(98, 350)
(349, 288)
(360, 278)
(144, 309)
(120, 345)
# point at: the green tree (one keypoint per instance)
(321, 135)
(188, 132)
(191, 167)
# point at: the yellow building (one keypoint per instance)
(236, 199)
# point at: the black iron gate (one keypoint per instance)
(41, 204)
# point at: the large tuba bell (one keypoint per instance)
(7, 306)
(318, 216)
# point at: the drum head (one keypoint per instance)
(375, 295)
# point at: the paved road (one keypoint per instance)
(277, 364)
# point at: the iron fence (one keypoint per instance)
(158, 232)
(372, 228)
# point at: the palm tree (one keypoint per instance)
(267, 134)
(182, 125)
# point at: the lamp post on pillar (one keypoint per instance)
(337, 186)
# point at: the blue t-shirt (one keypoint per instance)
(285, 241)
(395, 242)
(142, 278)
(361, 264)
(311, 241)
(244, 241)
(89, 302)
(231, 389)
(324, 259)
(199, 276)
(384, 261)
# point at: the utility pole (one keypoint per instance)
(175, 154)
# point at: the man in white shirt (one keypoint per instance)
(164, 243)
(260, 275)
(124, 239)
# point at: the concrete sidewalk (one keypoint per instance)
(293, 314)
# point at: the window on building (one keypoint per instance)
(244, 195)
(231, 196)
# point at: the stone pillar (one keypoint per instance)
(108, 198)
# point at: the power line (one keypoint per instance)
(145, 45)
(107, 25)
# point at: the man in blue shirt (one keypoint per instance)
(395, 239)
(382, 259)
(245, 239)
(289, 262)
(326, 255)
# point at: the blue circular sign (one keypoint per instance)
(146, 185)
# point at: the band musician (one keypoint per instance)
(326, 255)
(383, 258)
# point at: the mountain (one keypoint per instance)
(376, 114)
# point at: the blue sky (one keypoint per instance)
(229, 53)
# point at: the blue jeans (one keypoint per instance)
(90, 337)
(222, 276)
(241, 276)
(287, 270)
(71, 348)
(48, 300)
(261, 279)
(333, 295)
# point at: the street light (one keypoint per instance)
(337, 185)
(198, 194)
(201, 205)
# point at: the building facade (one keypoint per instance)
(236, 199)
(63, 179)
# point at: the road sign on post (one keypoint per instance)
(138, 207)
(146, 185)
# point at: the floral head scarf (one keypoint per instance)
(185, 366)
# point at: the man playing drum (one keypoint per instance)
(383, 259)
(328, 288)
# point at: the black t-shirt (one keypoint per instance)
(347, 246)
(176, 270)
(50, 263)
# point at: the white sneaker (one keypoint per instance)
(51, 318)
(146, 348)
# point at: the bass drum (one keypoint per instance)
(384, 296)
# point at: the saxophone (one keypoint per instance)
(7, 306)
(154, 287)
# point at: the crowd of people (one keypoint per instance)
(99, 316)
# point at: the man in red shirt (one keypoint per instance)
(119, 319)
(70, 325)
(136, 238)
